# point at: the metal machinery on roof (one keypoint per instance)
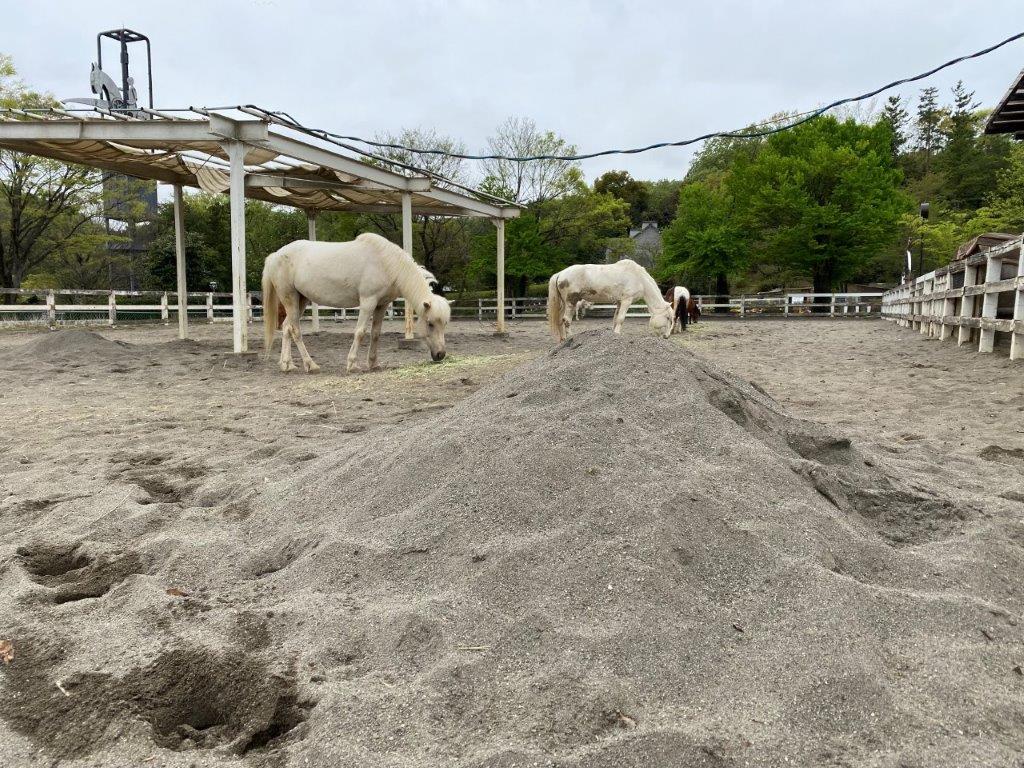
(108, 95)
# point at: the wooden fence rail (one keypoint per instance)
(217, 306)
(948, 299)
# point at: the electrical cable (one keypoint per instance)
(803, 117)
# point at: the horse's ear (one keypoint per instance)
(426, 305)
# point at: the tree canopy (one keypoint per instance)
(827, 202)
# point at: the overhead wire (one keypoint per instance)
(744, 133)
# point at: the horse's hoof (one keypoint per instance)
(285, 367)
(312, 368)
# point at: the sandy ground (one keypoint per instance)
(111, 443)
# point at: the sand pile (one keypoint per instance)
(75, 344)
(616, 555)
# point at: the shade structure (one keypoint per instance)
(1008, 116)
(265, 158)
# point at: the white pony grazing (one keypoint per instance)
(431, 281)
(369, 271)
(679, 293)
(622, 283)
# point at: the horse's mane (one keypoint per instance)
(649, 282)
(400, 266)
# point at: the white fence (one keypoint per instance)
(69, 306)
(948, 299)
(786, 305)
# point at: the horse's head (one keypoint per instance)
(662, 320)
(433, 316)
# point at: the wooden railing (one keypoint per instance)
(979, 297)
(786, 305)
(70, 305)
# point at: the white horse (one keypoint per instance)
(369, 271)
(679, 293)
(622, 283)
(431, 281)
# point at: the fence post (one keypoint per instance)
(989, 303)
(948, 310)
(209, 307)
(164, 314)
(1017, 337)
(926, 308)
(785, 307)
(51, 309)
(316, 318)
(248, 307)
(111, 309)
(743, 306)
(480, 310)
(832, 306)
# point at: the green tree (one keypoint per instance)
(928, 125)
(707, 240)
(623, 186)
(1004, 210)
(960, 156)
(718, 155)
(45, 206)
(896, 116)
(969, 161)
(662, 201)
(822, 198)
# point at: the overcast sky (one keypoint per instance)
(601, 74)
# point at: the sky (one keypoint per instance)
(600, 74)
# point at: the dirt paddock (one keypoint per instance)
(131, 435)
(933, 407)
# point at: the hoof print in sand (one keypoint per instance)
(71, 573)
(167, 486)
(197, 699)
(191, 699)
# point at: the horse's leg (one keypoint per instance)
(366, 309)
(378, 320)
(568, 308)
(285, 362)
(297, 307)
(620, 315)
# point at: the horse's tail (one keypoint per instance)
(555, 308)
(695, 314)
(681, 313)
(271, 306)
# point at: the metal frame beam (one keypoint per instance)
(309, 153)
(130, 131)
(289, 181)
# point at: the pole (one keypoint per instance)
(311, 226)
(407, 247)
(500, 271)
(240, 330)
(179, 257)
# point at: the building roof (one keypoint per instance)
(1008, 116)
(283, 166)
(983, 242)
